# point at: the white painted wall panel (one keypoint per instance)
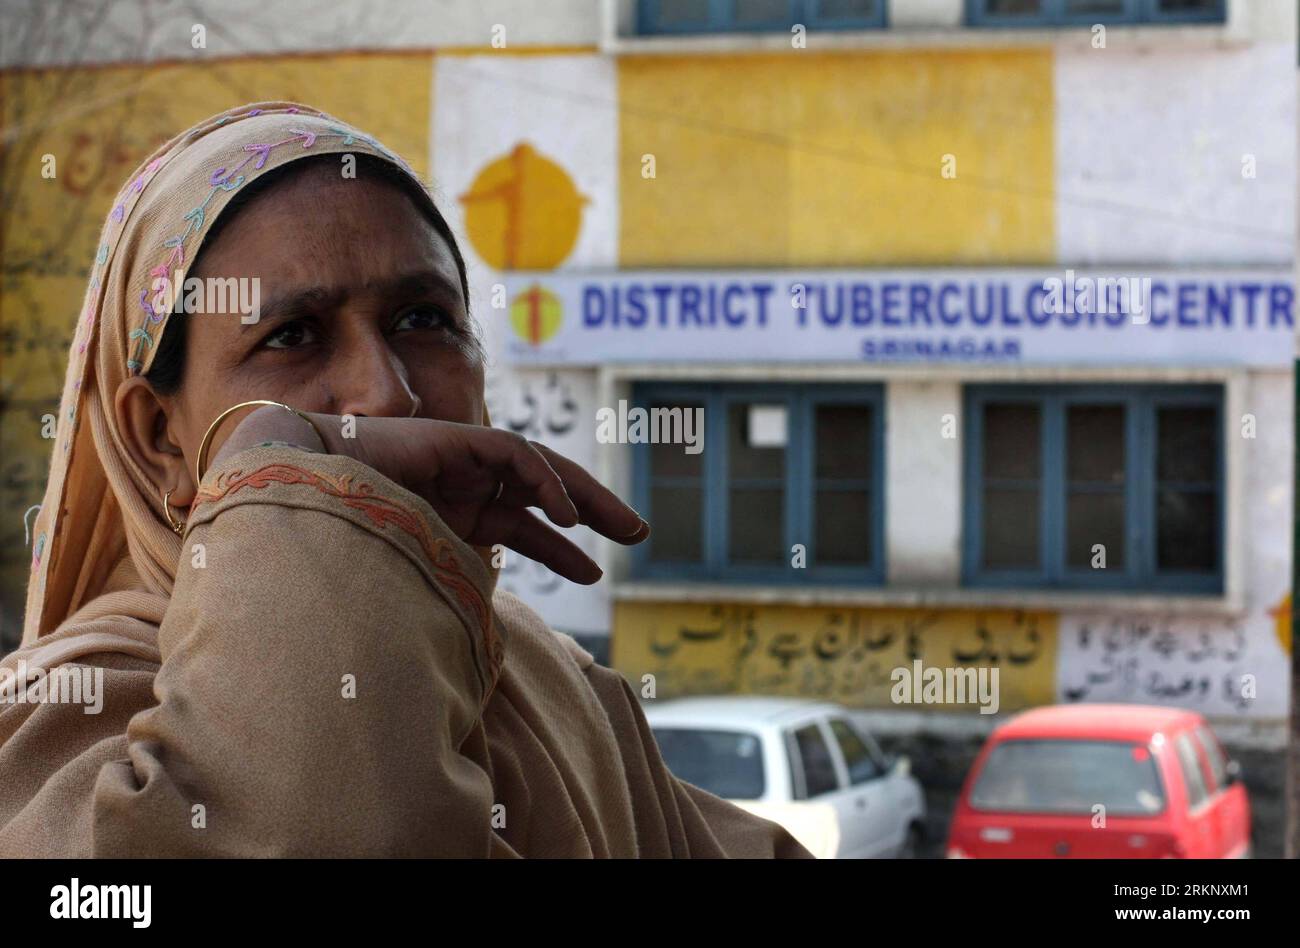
(561, 106)
(923, 484)
(1149, 155)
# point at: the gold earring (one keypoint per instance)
(178, 526)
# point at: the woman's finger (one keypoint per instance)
(512, 461)
(525, 533)
(598, 506)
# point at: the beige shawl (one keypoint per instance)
(332, 679)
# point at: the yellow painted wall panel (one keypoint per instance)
(836, 159)
(98, 123)
(847, 655)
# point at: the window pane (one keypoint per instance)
(1186, 444)
(678, 514)
(683, 12)
(1095, 518)
(1095, 439)
(1094, 456)
(1188, 6)
(818, 768)
(671, 460)
(846, 9)
(861, 765)
(745, 460)
(1010, 529)
(756, 525)
(1011, 441)
(1191, 768)
(1069, 776)
(761, 11)
(1214, 754)
(1076, 7)
(1185, 530)
(728, 764)
(843, 526)
(1012, 7)
(843, 441)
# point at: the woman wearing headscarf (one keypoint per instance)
(270, 529)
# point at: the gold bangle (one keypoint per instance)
(201, 461)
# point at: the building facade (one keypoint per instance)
(956, 332)
(990, 331)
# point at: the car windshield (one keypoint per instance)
(1069, 776)
(728, 764)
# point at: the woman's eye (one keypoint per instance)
(424, 317)
(290, 336)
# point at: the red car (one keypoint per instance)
(1102, 781)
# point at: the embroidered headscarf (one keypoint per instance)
(102, 550)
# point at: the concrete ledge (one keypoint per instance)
(952, 598)
(1139, 38)
(1264, 734)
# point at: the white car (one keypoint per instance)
(804, 764)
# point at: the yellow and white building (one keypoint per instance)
(833, 227)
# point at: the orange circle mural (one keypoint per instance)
(523, 212)
(1282, 623)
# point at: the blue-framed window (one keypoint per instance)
(781, 465)
(1088, 12)
(757, 16)
(1055, 473)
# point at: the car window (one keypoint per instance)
(1214, 754)
(818, 769)
(728, 764)
(1191, 767)
(1068, 776)
(857, 757)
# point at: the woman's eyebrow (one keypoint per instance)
(324, 297)
(418, 281)
(295, 301)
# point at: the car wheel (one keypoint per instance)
(911, 848)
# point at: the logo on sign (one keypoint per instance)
(536, 314)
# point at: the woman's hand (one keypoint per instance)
(481, 481)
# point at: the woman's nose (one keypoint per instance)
(375, 383)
